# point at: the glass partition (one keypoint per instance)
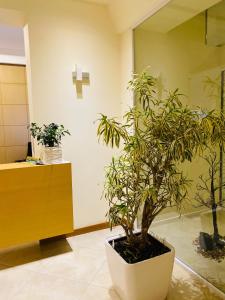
(172, 44)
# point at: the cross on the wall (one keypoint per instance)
(79, 79)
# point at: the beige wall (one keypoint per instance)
(126, 65)
(63, 34)
(13, 113)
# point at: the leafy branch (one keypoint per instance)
(157, 136)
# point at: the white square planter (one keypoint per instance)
(51, 155)
(146, 280)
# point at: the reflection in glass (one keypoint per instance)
(215, 25)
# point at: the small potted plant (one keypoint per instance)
(157, 135)
(50, 137)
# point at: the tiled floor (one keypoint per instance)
(76, 269)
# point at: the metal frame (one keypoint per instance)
(221, 148)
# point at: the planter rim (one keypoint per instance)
(59, 146)
(164, 242)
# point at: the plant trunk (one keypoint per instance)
(146, 221)
(131, 237)
(215, 225)
(214, 212)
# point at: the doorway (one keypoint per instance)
(14, 110)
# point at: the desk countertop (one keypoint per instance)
(22, 165)
(16, 165)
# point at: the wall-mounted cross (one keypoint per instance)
(79, 79)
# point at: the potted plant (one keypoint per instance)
(207, 195)
(50, 137)
(156, 137)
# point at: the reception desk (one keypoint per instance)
(35, 202)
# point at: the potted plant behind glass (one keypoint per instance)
(158, 135)
(49, 136)
(208, 195)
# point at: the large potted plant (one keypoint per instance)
(50, 137)
(156, 137)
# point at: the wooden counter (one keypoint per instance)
(35, 202)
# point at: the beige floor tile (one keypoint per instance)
(102, 278)
(92, 244)
(88, 240)
(98, 254)
(99, 293)
(19, 284)
(70, 266)
(179, 272)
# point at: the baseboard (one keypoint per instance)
(88, 229)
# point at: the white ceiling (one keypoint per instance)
(126, 14)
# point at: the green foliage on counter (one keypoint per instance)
(48, 135)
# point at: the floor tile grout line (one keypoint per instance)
(100, 267)
(49, 275)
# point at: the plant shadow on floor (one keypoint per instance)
(186, 289)
(183, 289)
(23, 254)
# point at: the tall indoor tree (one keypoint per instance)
(208, 195)
(157, 136)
